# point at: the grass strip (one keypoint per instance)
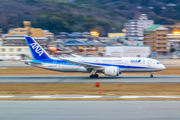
(149, 89)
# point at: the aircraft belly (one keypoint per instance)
(68, 68)
(139, 70)
(61, 68)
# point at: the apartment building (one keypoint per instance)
(174, 41)
(15, 36)
(14, 51)
(135, 28)
(156, 37)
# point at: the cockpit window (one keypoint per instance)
(158, 63)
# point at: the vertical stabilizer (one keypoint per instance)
(37, 51)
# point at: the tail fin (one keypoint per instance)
(37, 51)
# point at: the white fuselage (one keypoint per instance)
(124, 64)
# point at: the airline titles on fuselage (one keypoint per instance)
(137, 61)
(121, 61)
(109, 61)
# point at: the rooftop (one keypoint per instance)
(152, 28)
(77, 43)
(128, 46)
(162, 28)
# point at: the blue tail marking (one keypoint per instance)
(37, 51)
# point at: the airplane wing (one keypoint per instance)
(76, 56)
(82, 63)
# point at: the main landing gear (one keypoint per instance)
(94, 76)
(151, 76)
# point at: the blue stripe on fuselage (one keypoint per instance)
(62, 62)
(51, 61)
(120, 66)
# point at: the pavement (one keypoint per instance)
(86, 79)
(89, 110)
(81, 97)
(13, 64)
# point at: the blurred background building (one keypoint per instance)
(156, 36)
(15, 36)
(128, 51)
(1, 42)
(138, 35)
(135, 28)
(112, 35)
(13, 51)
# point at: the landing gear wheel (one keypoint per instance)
(151, 76)
(91, 76)
(94, 76)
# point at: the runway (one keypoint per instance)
(85, 97)
(89, 110)
(86, 79)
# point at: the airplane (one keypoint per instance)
(110, 66)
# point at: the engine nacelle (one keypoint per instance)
(111, 71)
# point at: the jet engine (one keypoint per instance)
(111, 71)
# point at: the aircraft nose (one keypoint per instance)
(163, 67)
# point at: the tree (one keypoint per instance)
(172, 50)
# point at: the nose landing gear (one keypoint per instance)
(151, 76)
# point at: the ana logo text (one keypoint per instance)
(138, 61)
(135, 61)
(37, 48)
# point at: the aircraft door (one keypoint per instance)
(55, 63)
(126, 62)
(127, 67)
(149, 63)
